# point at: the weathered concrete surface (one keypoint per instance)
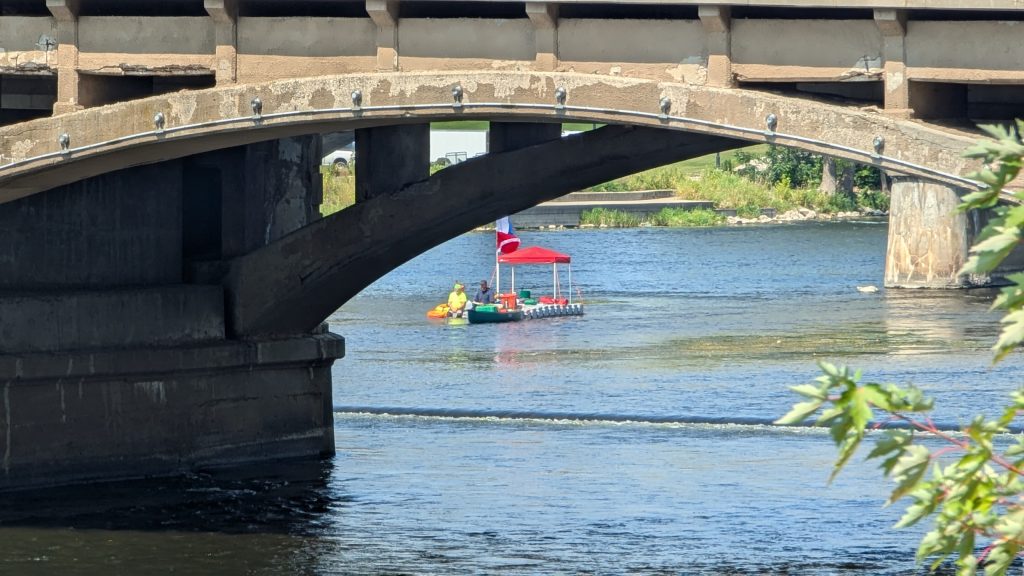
(732, 113)
(19, 44)
(390, 158)
(986, 51)
(113, 414)
(291, 285)
(121, 318)
(928, 238)
(695, 45)
(506, 136)
(669, 50)
(464, 43)
(238, 199)
(279, 191)
(111, 366)
(827, 50)
(151, 36)
(717, 23)
(122, 228)
(270, 48)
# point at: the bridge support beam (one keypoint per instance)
(225, 21)
(115, 354)
(717, 22)
(384, 14)
(389, 158)
(506, 136)
(893, 26)
(104, 414)
(65, 12)
(928, 238)
(544, 16)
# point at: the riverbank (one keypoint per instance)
(710, 198)
(806, 214)
(703, 220)
(662, 208)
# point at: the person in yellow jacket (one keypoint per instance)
(457, 300)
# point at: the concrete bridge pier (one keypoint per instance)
(928, 238)
(116, 358)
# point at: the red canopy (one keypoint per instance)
(534, 255)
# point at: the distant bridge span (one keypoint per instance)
(50, 152)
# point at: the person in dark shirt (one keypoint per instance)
(483, 295)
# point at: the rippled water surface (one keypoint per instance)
(635, 439)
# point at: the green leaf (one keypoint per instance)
(859, 409)
(1012, 334)
(891, 441)
(998, 560)
(989, 253)
(846, 450)
(909, 470)
(973, 462)
(967, 563)
(799, 412)
(1014, 217)
(810, 391)
(1009, 298)
(915, 513)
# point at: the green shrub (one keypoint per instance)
(874, 199)
(339, 191)
(610, 218)
(672, 217)
(681, 217)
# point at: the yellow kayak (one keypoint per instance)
(439, 311)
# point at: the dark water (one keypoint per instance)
(633, 440)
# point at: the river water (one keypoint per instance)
(633, 440)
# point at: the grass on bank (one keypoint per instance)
(672, 217)
(734, 192)
(339, 189)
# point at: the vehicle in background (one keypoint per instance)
(341, 158)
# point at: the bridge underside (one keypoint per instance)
(291, 285)
(164, 271)
(169, 316)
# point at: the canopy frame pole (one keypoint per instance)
(570, 283)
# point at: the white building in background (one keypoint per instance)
(453, 145)
(457, 145)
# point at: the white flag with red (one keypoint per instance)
(507, 240)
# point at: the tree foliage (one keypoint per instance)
(973, 489)
(790, 166)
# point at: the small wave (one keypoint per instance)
(599, 417)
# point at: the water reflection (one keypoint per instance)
(242, 521)
(957, 320)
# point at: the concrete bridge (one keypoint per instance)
(164, 270)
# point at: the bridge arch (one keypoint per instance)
(246, 327)
(49, 152)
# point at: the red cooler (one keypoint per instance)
(508, 300)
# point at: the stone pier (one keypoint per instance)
(930, 240)
(116, 356)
